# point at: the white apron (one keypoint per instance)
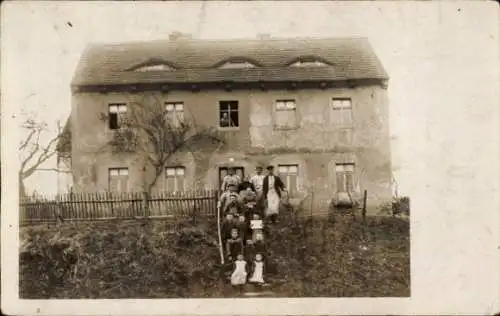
(258, 273)
(273, 199)
(239, 275)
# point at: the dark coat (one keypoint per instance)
(244, 185)
(278, 185)
(234, 247)
(226, 228)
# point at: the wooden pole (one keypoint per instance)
(364, 204)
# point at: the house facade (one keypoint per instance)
(316, 109)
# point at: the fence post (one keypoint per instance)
(364, 204)
(145, 204)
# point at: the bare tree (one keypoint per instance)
(156, 133)
(34, 151)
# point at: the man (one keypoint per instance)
(258, 181)
(272, 188)
(230, 179)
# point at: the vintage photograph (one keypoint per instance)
(190, 166)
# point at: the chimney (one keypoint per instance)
(263, 36)
(176, 36)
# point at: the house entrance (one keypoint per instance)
(240, 171)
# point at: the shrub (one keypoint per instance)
(336, 256)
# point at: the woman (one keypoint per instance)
(271, 190)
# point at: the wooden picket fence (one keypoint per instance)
(128, 205)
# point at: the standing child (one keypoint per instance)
(234, 245)
(239, 275)
(227, 226)
(258, 243)
(258, 270)
(244, 229)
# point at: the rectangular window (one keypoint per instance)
(174, 113)
(289, 175)
(286, 114)
(228, 114)
(174, 179)
(342, 112)
(117, 113)
(118, 179)
(344, 173)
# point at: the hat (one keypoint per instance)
(270, 167)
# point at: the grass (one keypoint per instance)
(335, 257)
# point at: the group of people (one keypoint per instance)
(244, 205)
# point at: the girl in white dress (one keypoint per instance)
(258, 270)
(239, 275)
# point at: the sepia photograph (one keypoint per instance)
(215, 149)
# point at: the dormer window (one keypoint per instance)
(237, 63)
(308, 61)
(157, 67)
(153, 65)
(233, 65)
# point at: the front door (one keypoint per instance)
(240, 171)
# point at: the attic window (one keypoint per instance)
(308, 62)
(154, 67)
(237, 63)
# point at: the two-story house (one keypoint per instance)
(316, 109)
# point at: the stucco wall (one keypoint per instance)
(315, 141)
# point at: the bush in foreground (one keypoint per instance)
(322, 257)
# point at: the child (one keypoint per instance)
(234, 208)
(239, 275)
(234, 245)
(258, 270)
(227, 225)
(258, 243)
(243, 228)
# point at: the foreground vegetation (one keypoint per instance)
(336, 257)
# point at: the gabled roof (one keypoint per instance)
(196, 61)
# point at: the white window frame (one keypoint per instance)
(174, 172)
(345, 169)
(284, 173)
(120, 110)
(283, 106)
(175, 110)
(229, 111)
(119, 172)
(338, 108)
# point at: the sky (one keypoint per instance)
(416, 42)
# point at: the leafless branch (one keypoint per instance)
(36, 152)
